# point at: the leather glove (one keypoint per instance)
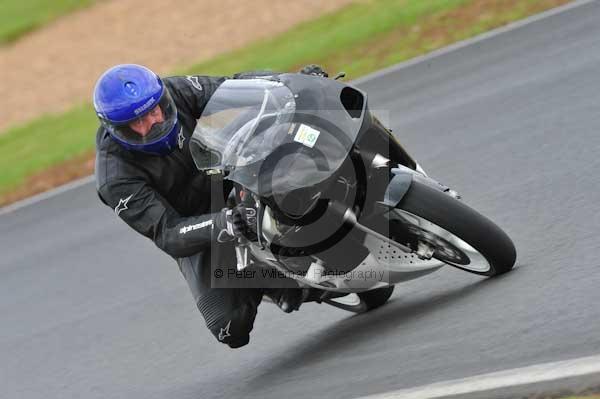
(314, 69)
(236, 222)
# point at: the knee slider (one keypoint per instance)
(238, 343)
(235, 331)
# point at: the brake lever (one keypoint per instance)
(241, 254)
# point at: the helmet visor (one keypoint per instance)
(148, 128)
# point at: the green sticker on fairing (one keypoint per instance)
(307, 136)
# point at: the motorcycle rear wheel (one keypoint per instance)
(363, 301)
(462, 237)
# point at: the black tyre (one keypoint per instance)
(461, 236)
(363, 301)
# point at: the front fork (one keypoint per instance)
(399, 186)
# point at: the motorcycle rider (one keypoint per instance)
(145, 173)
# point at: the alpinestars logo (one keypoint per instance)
(193, 227)
(122, 205)
(224, 333)
(195, 82)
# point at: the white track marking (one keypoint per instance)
(524, 376)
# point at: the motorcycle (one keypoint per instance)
(335, 201)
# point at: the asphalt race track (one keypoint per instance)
(90, 310)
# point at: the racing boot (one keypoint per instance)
(288, 299)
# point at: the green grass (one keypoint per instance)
(18, 17)
(359, 39)
(46, 141)
(318, 40)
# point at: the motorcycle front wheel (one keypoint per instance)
(453, 232)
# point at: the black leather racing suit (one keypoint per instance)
(168, 200)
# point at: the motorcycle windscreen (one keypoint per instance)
(255, 130)
(305, 155)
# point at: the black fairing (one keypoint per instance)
(309, 187)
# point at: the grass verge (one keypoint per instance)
(358, 39)
(18, 17)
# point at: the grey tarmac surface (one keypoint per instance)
(91, 310)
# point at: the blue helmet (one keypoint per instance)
(126, 93)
